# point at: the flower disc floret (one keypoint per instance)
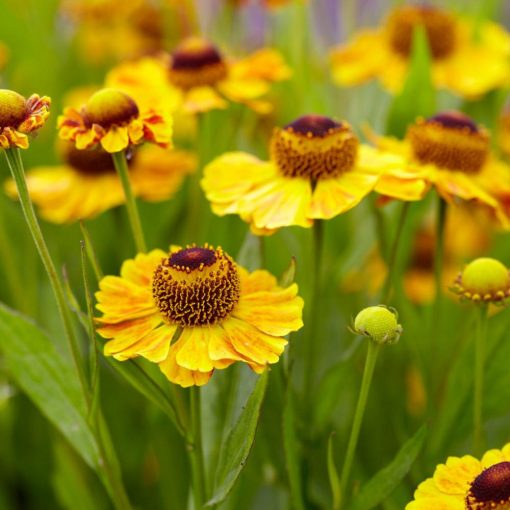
(451, 141)
(196, 286)
(109, 106)
(484, 279)
(439, 27)
(379, 323)
(490, 490)
(314, 147)
(196, 63)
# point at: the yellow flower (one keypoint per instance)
(469, 57)
(318, 169)
(484, 279)
(197, 78)
(452, 154)
(112, 119)
(87, 183)
(20, 116)
(466, 483)
(222, 313)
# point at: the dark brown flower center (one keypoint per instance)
(196, 286)
(13, 108)
(490, 490)
(451, 141)
(109, 107)
(196, 63)
(439, 27)
(92, 162)
(314, 147)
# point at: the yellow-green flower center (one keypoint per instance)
(109, 107)
(379, 323)
(490, 490)
(451, 141)
(439, 27)
(196, 63)
(485, 279)
(314, 147)
(13, 108)
(196, 286)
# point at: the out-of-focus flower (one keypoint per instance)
(112, 119)
(113, 29)
(218, 312)
(452, 153)
(318, 169)
(20, 116)
(484, 280)
(469, 57)
(467, 483)
(87, 183)
(196, 78)
(467, 235)
(269, 4)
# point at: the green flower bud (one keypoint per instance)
(379, 323)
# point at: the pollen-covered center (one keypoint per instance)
(92, 162)
(196, 286)
(196, 63)
(451, 141)
(314, 147)
(110, 106)
(13, 108)
(490, 490)
(439, 27)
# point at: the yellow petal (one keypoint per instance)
(193, 349)
(115, 139)
(456, 475)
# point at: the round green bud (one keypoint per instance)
(379, 323)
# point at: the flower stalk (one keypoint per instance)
(120, 163)
(480, 340)
(195, 449)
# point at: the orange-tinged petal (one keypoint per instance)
(140, 269)
(252, 343)
(203, 99)
(116, 139)
(179, 375)
(276, 312)
(193, 349)
(155, 345)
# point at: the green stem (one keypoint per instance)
(439, 257)
(311, 339)
(91, 253)
(388, 284)
(15, 163)
(372, 353)
(380, 229)
(120, 163)
(195, 449)
(480, 339)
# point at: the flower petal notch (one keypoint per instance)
(484, 280)
(112, 119)
(379, 323)
(194, 310)
(467, 483)
(318, 169)
(20, 116)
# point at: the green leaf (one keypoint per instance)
(418, 96)
(48, 379)
(386, 480)
(289, 275)
(250, 254)
(291, 448)
(237, 444)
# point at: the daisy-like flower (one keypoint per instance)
(220, 312)
(469, 57)
(87, 183)
(484, 280)
(466, 483)
(318, 169)
(452, 153)
(112, 119)
(197, 78)
(20, 116)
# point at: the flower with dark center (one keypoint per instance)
(194, 310)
